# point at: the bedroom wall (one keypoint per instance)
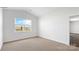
(55, 26)
(1, 19)
(9, 33)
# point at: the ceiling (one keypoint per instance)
(41, 11)
(37, 11)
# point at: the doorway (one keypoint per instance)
(74, 30)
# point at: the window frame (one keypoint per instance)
(23, 31)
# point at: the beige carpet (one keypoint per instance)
(37, 44)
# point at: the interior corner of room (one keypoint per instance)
(48, 26)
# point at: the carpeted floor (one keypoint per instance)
(37, 44)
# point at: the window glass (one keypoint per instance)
(23, 25)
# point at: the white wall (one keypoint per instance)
(74, 27)
(1, 18)
(9, 33)
(55, 26)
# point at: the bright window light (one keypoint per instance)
(23, 25)
(74, 18)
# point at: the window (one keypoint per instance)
(23, 25)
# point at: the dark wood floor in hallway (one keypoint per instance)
(74, 39)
